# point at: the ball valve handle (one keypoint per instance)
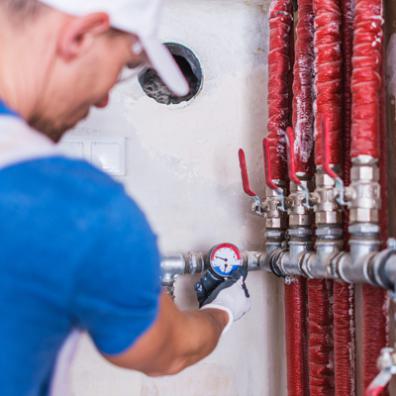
(291, 140)
(258, 207)
(387, 366)
(268, 167)
(269, 179)
(245, 176)
(326, 162)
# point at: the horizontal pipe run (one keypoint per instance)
(363, 265)
(192, 263)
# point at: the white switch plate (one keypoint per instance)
(108, 154)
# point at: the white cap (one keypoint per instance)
(140, 17)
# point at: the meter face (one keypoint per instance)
(225, 258)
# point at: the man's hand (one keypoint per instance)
(178, 338)
(231, 296)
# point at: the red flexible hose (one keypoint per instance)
(303, 88)
(344, 302)
(279, 67)
(328, 72)
(321, 381)
(296, 337)
(366, 78)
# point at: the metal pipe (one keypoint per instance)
(191, 263)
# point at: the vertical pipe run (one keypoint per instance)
(343, 313)
(367, 78)
(343, 294)
(300, 223)
(296, 337)
(328, 71)
(279, 67)
(328, 85)
(279, 108)
(390, 138)
(303, 89)
(366, 134)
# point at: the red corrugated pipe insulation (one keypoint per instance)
(279, 95)
(279, 105)
(328, 85)
(343, 294)
(296, 291)
(303, 89)
(366, 132)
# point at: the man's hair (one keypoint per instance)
(22, 8)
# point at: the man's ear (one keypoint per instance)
(79, 32)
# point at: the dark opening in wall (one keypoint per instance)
(189, 64)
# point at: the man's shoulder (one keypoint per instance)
(59, 175)
(68, 193)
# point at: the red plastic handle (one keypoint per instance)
(244, 174)
(292, 159)
(268, 166)
(375, 392)
(326, 148)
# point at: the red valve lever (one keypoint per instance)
(244, 173)
(326, 148)
(375, 392)
(292, 159)
(268, 166)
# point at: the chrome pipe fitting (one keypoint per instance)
(365, 191)
(300, 215)
(192, 263)
(275, 211)
(327, 210)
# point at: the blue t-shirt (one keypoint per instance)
(75, 251)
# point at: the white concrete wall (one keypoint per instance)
(181, 166)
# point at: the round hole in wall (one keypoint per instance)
(189, 64)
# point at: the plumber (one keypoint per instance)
(76, 252)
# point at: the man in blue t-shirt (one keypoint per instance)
(76, 252)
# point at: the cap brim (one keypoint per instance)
(163, 62)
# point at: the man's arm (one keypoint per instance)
(177, 340)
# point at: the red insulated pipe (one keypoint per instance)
(343, 313)
(328, 85)
(328, 72)
(303, 88)
(374, 330)
(366, 78)
(279, 105)
(296, 337)
(366, 132)
(343, 294)
(321, 381)
(279, 67)
(301, 142)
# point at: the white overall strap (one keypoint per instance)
(20, 143)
